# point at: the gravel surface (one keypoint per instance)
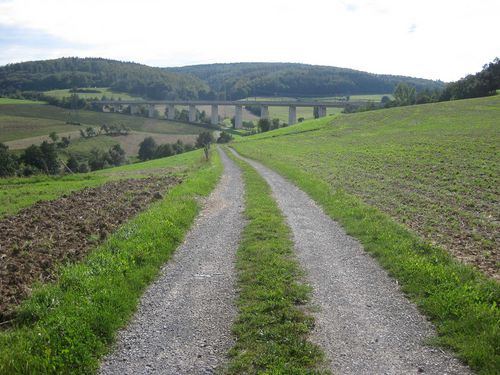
(364, 323)
(183, 323)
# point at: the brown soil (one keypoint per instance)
(38, 238)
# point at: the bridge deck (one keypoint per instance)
(269, 103)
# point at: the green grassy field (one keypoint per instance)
(111, 95)
(433, 168)
(67, 326)
(18, 101)
(408, 182)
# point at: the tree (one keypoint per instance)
(204, 140)
(385, 100)
(72, 164)
(405, 94)
(54, 137)
(224, 137)
(117, 155)
(8, 162)
(178, 147)
(98, 159)
(65, 141)
(43, 157)
(164, 150)
(50, 160)
(275, 124)
(147, 149)
(264, 125)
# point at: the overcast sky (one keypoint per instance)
(437, 39)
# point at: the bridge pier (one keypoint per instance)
(192, 113)
(151, 110)
(116, 108)
(321, 111)
(170, 112)
(238, 117)
(264, 111)
(214, 120)
(292, 115)
(133, 109)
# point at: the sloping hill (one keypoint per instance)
(240, 80)
(66, 73)
(433, 168)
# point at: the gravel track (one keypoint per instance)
(364, 323)
(183, 323)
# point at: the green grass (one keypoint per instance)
(67, 326)
(404, 181)
(28, 120)
(81, 148)
(18, 101)
(111, 95)
(271, 330)
(18, 193)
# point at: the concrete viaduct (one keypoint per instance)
(214, 118)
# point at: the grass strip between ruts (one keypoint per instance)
(460, 301)
(272, 327)
(67, 326)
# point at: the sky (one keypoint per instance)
(435, 39)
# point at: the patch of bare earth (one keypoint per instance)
(38, 238)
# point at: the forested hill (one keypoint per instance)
(137, 79)
(241, 80)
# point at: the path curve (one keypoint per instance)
(364, 323)
(183, 323)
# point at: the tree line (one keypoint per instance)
(67, 73)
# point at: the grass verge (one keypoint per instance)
(272, 328)
(67, 326)
(461, 302)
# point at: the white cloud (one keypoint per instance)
(432, 39)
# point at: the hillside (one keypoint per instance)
(23, 123)
(240, 80)
(432, 168)
(127, 77)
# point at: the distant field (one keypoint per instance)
(111, 95)
(31, 120)
(434, 168)
(18, 101)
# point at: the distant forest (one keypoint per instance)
(66, 73)
(241, 80)
(230, 81)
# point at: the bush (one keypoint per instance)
(8, 162)
(224, 137)
(72, 164)
(164, 150)
(83, 168)
(147, 149)
(43, 157)
(264, 125)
